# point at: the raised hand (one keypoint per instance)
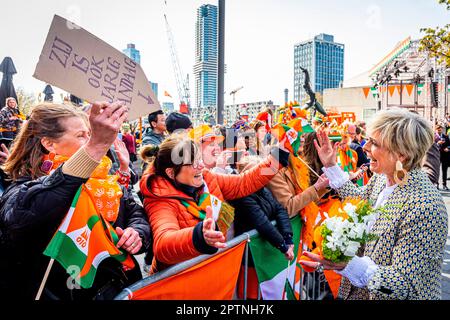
(359, 173)
(105, 119)
(212, 238)
(356, 175)
(222, 159)
(122, 154)
(326, 152)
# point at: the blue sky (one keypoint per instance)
(260, 35)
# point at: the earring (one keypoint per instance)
(47, 164)
(399, 169)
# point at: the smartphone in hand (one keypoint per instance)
(364, 167)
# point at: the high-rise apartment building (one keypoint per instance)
(324, 60)
(206, 56)
(154, 88)
(132, 53)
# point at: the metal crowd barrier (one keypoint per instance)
(312, 286)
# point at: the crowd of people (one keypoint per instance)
(184, 190)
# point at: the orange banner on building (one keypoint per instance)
(213, 279)
(399, 89)
(366, 92)
(391, 90)
(409, 88)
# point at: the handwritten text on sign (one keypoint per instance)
(80, 63)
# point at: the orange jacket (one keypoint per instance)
(171, 223)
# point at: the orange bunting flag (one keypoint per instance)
(409, 88)
(366, 92)
(167, 94)
(391, 90)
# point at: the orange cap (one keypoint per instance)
(204, 133)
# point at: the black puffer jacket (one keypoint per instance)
(30, 214)
(256, 211)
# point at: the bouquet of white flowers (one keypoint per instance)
(340, 235)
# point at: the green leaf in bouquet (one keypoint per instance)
(367, 238)
(335, 256)
(332, 255)
(325, 232)
(364, 208)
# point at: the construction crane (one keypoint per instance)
(233, 92)
(182, 83)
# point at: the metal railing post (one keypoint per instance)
(314, 285)
(300, 285)
(245, 270)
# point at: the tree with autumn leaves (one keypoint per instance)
(437, 41)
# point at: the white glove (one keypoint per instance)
(336, 175)
(359, 271)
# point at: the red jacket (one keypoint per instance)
(173, 226)
(128, 139)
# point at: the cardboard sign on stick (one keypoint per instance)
(89, 68)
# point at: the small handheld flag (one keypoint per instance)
(84, 239)
(293, 131)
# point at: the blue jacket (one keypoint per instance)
(152, 138)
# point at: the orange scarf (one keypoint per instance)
(300, 172)
(103, 189)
